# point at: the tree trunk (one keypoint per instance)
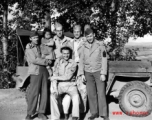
(5, 32)
(114, 18)
(47, 20)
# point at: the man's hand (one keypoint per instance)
(53, 78)
(83, 78)
(48, 62)
(103, 77)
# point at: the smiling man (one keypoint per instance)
(93, 64)
(61, 40)
(78, 41)
(38, 78)
(64, 74)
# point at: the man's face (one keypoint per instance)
(35, 39)
(90, 38)
(66, 54)
(59, 32)
(77, 33)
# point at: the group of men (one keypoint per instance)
(80, 71)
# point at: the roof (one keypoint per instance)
(23, 32)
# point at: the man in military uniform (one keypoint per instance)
(78, 42)
(38, 79)
(64, 74)
(93, 64)
(61, 40)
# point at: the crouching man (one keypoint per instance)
(64, 74)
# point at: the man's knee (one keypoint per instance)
(53, 97)
(76, 99)
(66, 100)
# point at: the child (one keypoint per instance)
(47, 50)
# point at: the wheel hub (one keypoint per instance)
(136, 98)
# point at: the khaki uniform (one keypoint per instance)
(38, 80)
(92, 58)
(93, 63)
(79, 82)
(66, 71)
(33, 56)
(66, 41)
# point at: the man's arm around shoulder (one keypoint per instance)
(32, 58)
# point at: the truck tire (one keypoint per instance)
(135, 99)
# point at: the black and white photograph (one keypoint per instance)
(75, 59)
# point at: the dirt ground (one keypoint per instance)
(13, 107)
(12, 104)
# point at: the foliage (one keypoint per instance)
(31, 12)
(26, 13)
(119, 19)
(9, 68)
(121, 54)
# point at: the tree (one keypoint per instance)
(32, 12)
(4, 6)
(27, 12)
(5, 77)
(118, 19)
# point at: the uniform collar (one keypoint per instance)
(94, 44)
(77, 40)
(62, 40)
(69, 61)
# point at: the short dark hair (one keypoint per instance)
(47, 30)
(88, 31)
(66, 48)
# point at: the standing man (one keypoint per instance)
(93, 64)
(38, 79)
(64, 74)
(61, 40)
(78, 42)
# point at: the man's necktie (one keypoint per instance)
(38, 50)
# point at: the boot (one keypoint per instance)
(92, 117)
(42, 116)
(28, 117)
(66, 116)
(106, 118)
(74, 118)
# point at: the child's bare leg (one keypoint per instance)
(50, 70)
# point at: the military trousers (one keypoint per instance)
(96, 93)
(70, 89)
(38, 90)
